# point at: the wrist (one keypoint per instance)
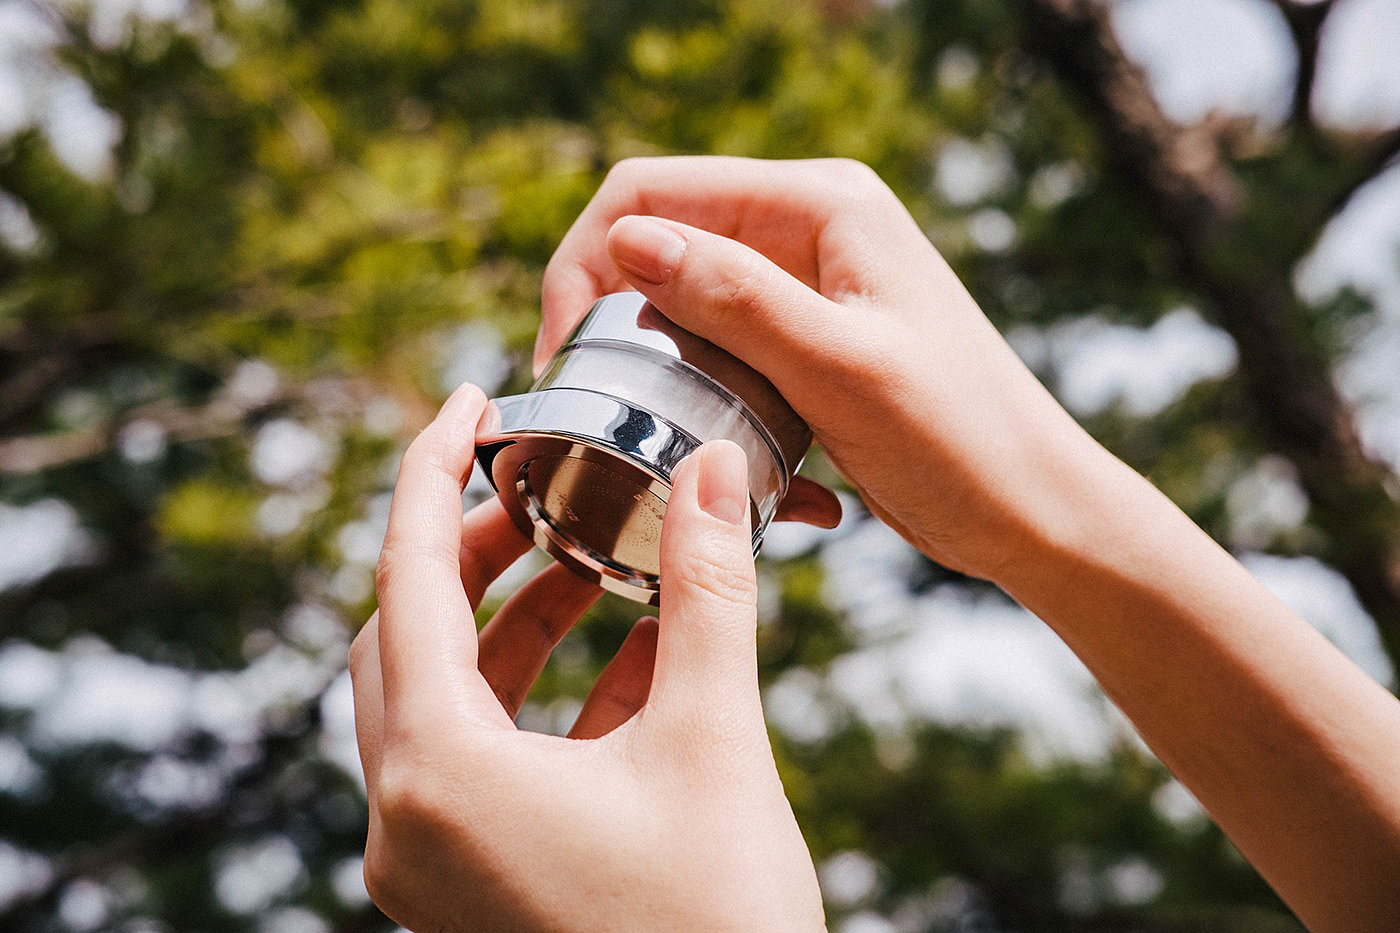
(1087, 514)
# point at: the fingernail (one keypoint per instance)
(646, 248)
(723, 487)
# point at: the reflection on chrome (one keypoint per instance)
(583, 461)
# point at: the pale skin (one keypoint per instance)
(664, 810)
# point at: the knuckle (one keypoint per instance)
(473, 569)
(510, 698)
(627, 171)
(852, 171)
(741, 285)
(614, 698)
(431, 449)
(856, 186)
(717, 577)
(549, 628)
(408, 806)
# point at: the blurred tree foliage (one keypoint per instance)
(319, 215)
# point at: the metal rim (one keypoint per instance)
(510, 472)
(516, 433)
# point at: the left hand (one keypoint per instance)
(661, 811)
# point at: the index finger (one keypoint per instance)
(777, 208)
(427, 633)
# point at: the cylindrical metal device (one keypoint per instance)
(583, 461)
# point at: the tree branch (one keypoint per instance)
(223, 416)
(38, 363)
(1305, 25)
(1190, 182)
(1189, 187)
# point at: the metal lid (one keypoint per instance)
(583, 461)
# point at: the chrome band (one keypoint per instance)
(676, 394)
(652, 443)
(583, 461)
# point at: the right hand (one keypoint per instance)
(815, 275)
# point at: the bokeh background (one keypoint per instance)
(247, 246)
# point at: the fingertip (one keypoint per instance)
(706, 549)
(467, 401)
(624, 686)
(646, 248)
(711, 487)
(709, 591)
(722, 484)
(823, 519)
(646, 629)
(449, 441)
(811, 503)
(642, 639)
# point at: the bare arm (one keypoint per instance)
(1291, 748)
(815, 275)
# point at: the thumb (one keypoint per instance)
(731, 295)
(706, 646)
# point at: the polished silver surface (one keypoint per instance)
(583, 461)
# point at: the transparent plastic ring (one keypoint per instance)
(583, 461)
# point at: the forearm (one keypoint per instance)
(1291, 748)
(824, 284)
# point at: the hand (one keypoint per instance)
(815, 275)
(661, 811)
